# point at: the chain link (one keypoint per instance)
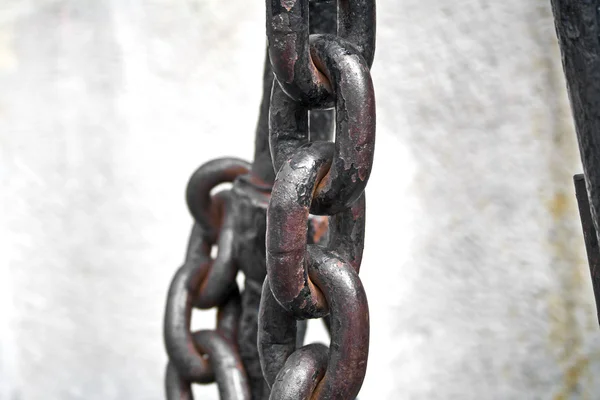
(290, 49)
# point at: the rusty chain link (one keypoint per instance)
(292, 222)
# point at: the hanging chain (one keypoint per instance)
(318, 177)
(303, 228)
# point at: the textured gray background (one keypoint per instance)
(474, 262)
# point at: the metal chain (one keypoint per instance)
(313, 281)
(315, 214)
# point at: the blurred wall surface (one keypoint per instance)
(474, 261)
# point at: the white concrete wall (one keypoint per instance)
(474, 262)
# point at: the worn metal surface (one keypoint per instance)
(350, 80)
(317, 177)
(302, 371)
(287, 252)
(349, 347)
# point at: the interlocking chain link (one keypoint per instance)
(290, 49)
(292, 222)
(313, 281)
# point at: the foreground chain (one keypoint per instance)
(292, 222)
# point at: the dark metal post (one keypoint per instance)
(589, 234)
(578, 30)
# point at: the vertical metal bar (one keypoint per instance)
(578, 30)
(589, 234)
